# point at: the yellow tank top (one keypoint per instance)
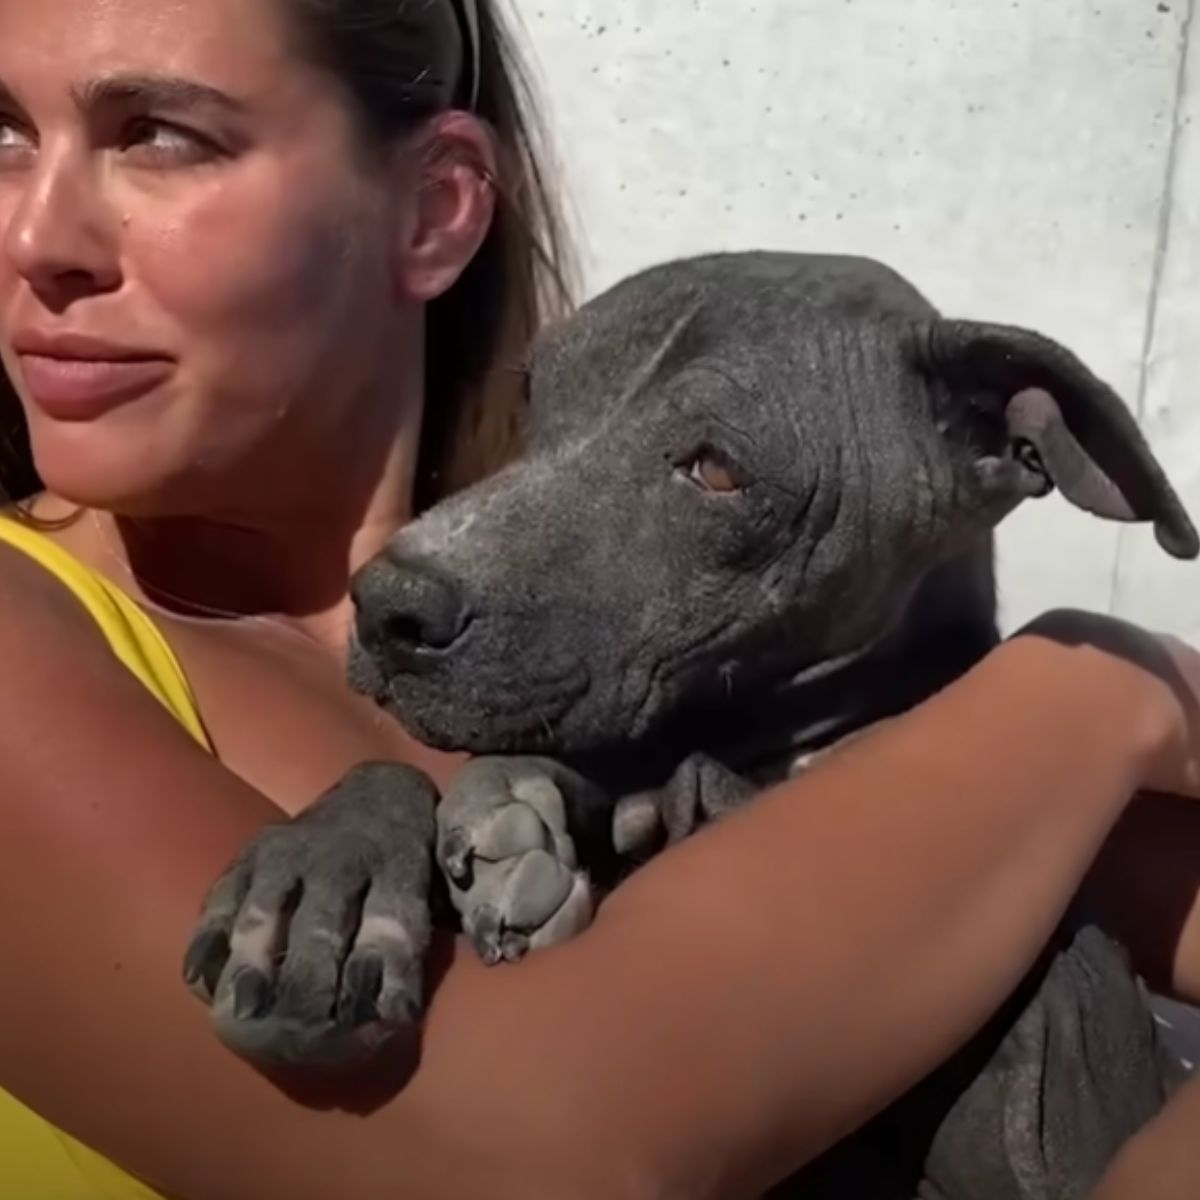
(38, 1161)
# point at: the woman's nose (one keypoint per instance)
(61, 238)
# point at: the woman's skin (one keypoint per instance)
(279, 276)
(1161, 1162)
(282, 279)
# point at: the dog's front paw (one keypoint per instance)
(506, 848)
(310, 946)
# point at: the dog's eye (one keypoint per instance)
(710, 473)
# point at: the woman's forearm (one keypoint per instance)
(754, 994)
(739, 1003)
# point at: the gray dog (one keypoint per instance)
(754, 516)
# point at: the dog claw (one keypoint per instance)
(363, 985)
(486, 934)
(458, 854)
(251, 995)
(514, 946)
(205, 959)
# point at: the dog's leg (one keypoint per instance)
(520, 841)
(1074, 1071)
(310, 946)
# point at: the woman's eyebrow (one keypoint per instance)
(153, 91)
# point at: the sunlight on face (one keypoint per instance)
(194, 280)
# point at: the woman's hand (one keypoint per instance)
(1165, 670)
(1176, 768)
(1144, 887)
(1161, 1162)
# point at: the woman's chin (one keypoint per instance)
(127, 455)
(124, 482)
(125, 459)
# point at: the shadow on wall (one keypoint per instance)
(18, 480)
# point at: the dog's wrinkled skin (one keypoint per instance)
(754, 516)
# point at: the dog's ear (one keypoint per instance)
(1042, 420)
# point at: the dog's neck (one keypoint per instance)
(946, 627)
(801, 716)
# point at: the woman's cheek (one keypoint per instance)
(262, 290)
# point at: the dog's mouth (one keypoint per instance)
(363, 672)
(481, 696)
(462, 706)
(534, 730)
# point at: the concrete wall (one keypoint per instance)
(1030, 161)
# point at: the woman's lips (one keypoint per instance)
(78, 389)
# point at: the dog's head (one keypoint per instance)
(736, 466)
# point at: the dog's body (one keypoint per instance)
(754, 516)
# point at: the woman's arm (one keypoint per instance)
(739, 1004)
(824, 948)
(1162, 1161)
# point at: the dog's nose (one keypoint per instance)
(406, 604)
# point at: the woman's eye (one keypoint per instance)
(710, 473)
(159, 143)
(14, 141)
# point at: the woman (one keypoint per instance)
(261, 261)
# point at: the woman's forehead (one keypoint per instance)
(234, 44)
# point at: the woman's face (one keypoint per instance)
(196, 297)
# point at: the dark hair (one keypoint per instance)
(401, 62)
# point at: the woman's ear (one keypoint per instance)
(450, 204)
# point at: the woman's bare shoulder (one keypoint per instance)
(34, 600)
(280, 712)
(113, 821)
